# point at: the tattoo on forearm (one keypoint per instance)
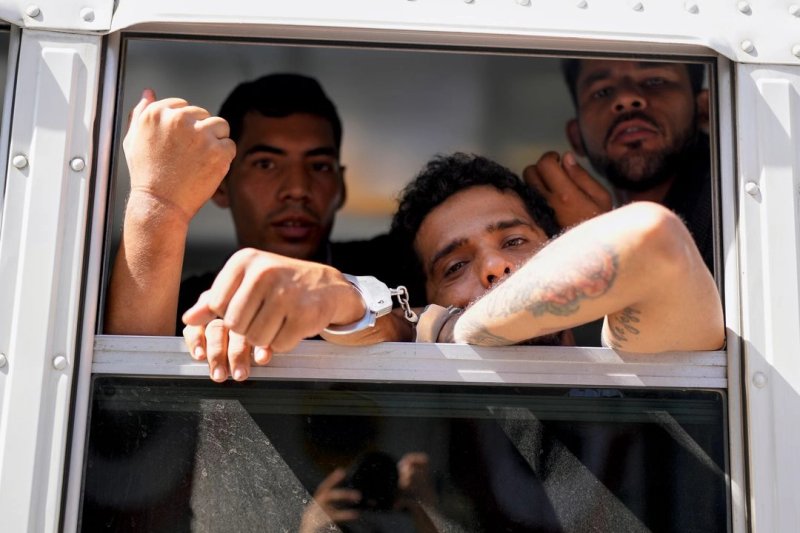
(622, 327)
(478, 334)
(560, 297)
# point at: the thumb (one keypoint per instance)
(148, 97)
(199, 314)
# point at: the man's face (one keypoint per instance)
(285, 184)
(473, 240)
(635, 120)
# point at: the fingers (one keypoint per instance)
(217, 350)
(330, 481)
(555, 179)
(195, 339)
(533, 179)
(148, 97)
(200, 313)
(238, 356)
(216, 125)
(586, 182)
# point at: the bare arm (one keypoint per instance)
(177, 155)
(637, 266)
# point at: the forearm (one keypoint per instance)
(389, 328)
(636, 265)
(145, 279)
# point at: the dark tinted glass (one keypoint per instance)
(190, 455)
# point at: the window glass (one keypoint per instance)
(181, 454)
(400, 107)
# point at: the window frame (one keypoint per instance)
(100, 354)
(166, 357)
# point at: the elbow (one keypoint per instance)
(662, 236)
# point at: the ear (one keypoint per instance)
(702, 104)
(343, 198)
(574, 137)
(221, 197)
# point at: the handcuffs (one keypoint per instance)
(377, 298)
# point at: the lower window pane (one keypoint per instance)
(191, 455)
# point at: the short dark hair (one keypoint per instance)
(570, 68)
(278, 96)
(446, 175)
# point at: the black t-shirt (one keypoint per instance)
(381, 256)
(690, 198)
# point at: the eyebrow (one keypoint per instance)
(266, 148)
(603, 74)
(457, 243)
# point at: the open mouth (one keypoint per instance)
(631, 129)
(294, 228)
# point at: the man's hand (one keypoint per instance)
(332, 504)
(572, 192)
(177, 153)
(227, 353)
(275, 301)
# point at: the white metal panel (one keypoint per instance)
(768, 108)
(75, 15)
(723, 119)
(752, 32)
(430, 363)
(83, 377)
(41, 268)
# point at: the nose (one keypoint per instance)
(296, 183)
(629, 98)
(494, 266)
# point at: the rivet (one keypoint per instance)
(469, 1)
(759, 380)
(748, 46)
(796, 51)
(77, 164)
(752, 188)
(692, 7)
(744, 7)
(794, 10)
(524, 2)
(59, 362)
(19, 161)
(3, 360)
(33, 11)
(637, 6)
(582, 4)
(87, 14)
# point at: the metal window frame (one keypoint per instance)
(719, 370)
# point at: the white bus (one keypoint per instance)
(116, 433)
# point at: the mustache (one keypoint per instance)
(293, 210)
(629, 115)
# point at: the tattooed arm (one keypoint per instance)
(637, 266)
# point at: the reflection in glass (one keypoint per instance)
(190, 455)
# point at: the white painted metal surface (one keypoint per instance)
(41, 269)
(729, 261)
(43, 227)
(430, 363)
(768, 135)
(748, 32)
(91, 317)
